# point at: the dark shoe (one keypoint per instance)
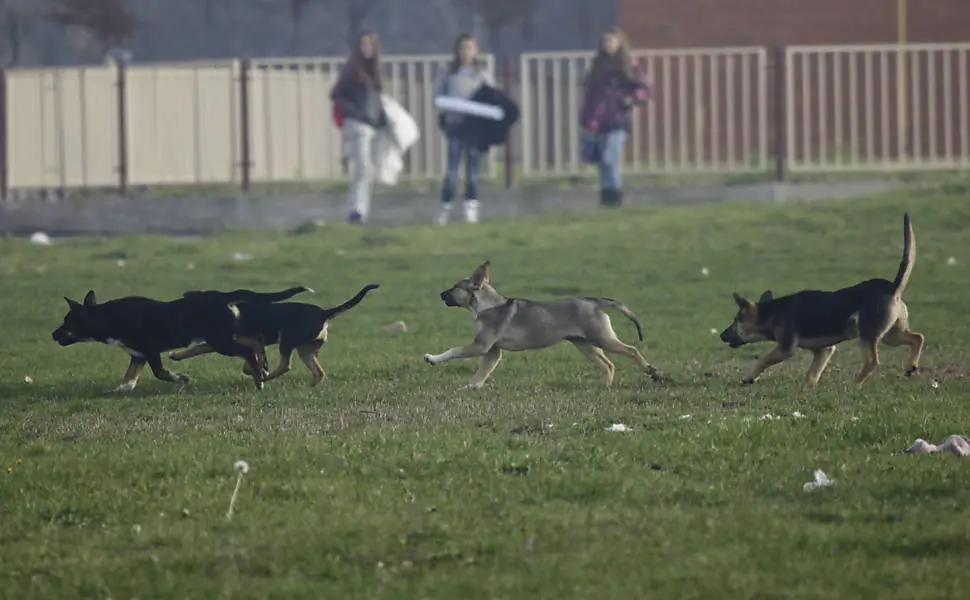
(355, 218)
(611, 198)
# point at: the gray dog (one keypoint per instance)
(516, 324)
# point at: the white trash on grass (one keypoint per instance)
(618, 427)
(955, 444)
(41, 239)
(821, 480)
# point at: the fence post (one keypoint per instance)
(507, 84)
(781, 118)
(4, 144)
(122, 84)
(245, 150)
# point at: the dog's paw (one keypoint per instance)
(913, 370)
(748, 381)
(124, 387)
(259, 385)
(659, 377)
(181, 377)
(429, 358)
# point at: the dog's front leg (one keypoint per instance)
(191, 352)
(489, 362)
(160, 372)
(476, 348)
(130, 380)
(779, 354)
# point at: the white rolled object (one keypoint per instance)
(468, 107)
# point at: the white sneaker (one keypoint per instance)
(471, 211)
(444, 215)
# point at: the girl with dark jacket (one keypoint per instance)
(357, 95)
(613, 86)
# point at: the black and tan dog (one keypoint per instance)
(144, 328)
(293, 325)
(515, 324)
(872, 311)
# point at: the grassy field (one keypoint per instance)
(389, 481)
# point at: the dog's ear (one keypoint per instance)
(482, 274)
(90, 299)
(741, 301)
(71, 304)
(766, 297)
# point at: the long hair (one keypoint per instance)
(606, 64)
(455, 64)
(366, 70)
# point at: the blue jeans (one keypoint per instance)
(611, 155)
(472, 158)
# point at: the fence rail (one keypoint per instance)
(715, 110)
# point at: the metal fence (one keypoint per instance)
(709, 112)
(877, 107)
(715, 110)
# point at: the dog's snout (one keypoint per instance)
(725, 335)
(444, 296)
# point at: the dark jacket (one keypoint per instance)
(484, 133)
(358, 99)
(608, 102)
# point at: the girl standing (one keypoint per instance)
(613, 87)
(466, 73)
(357, 94)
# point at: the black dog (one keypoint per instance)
(872, 311)
(293, 325)
(144, 328)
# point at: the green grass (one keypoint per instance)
(388, 481)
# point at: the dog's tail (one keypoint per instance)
(611, 303)
(238, 296)
(909, 257)
(333, 312)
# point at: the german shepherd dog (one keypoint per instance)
(516, 324)
(144, 328)
(293, 325)
(872, 311)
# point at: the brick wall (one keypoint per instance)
(776, 23)
(687, 23)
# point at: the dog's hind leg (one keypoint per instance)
(614, 345)
(819, 362)
(308, 354)
(870, 353)
(285, 364)
(873, 327)
(160, 372)
(488, 364)
(899, 335)
(597, 357)
(191, 352)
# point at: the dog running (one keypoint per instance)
(295, 326)
(144, 328)
(515, 324)
(872, 311)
